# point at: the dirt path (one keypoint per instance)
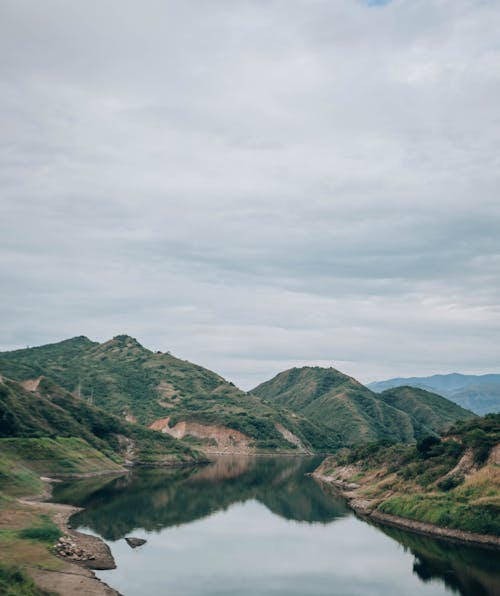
(75, 581)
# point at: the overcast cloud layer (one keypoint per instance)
(255, 185)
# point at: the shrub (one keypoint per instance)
(428, 446)
(480, 442)
(46, 532)
(450, 482)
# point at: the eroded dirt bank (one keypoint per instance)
(222, 440)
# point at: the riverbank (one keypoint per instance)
(76, 577)
(446, 486)
(366, 509)
(60, 561)
(36, 538)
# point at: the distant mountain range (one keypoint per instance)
(479, 393)
(302, 410)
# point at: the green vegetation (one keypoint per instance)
(119, 375)
(448, 481)
(44, 531)
(353, 412)
(58, 456)
(324, 408)
(126, 379)
(447, 511)
(480, 434)
(16, 479)
(430, 411)
(94, 440)
(14, 582)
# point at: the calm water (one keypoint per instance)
(259, 526)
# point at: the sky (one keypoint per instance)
(255, 185)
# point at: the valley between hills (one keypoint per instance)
(404, 456)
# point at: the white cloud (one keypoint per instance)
(254, 185)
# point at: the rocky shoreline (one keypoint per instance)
(82, 553)
(366, 509)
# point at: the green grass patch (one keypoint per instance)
(60, 455)
(14, 582)
(445, 511)
(16, 479)
(43, 531)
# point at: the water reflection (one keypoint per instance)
(150, 501)
(463, 569)
(154, 498)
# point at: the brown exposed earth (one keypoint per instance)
(73, 581)
(31, 384)
(291, 438)
(219, 439)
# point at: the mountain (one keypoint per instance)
(301, 410)
(427, 409)
(479, 393)
(354, 412)
(35, 415)
(169, 394)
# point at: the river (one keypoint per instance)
(260, 526)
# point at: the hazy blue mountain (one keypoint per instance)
(479, 393)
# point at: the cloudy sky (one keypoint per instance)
(255, 184)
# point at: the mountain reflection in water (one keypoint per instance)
(159, 498)
(152, 500)
(464, 569)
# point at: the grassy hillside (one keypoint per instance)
(431, 411)
(128, 380)
(17, 479)
(453, 481)
(49, 412)
(351, 410)
(479, 393)
(23, 460)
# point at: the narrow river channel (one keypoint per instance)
(246, 526)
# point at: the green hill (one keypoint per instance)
(452, 481)
(354, 412)
(338, 401)
(46, 412)
(135, 383)
(433, 412)
(300, 410)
